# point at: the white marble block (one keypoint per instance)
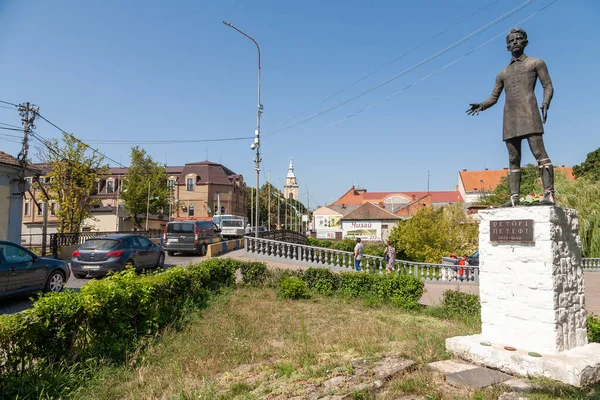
(532, 293)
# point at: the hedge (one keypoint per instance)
(107, 319)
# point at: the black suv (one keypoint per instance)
(190, 237)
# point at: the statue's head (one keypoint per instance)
(516, 40)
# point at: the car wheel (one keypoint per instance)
(203, 249)
(55, 282)
(161, 261)
(171, 253)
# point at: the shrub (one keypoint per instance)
(593, 328)
(254, 273)
(317, 243)
(322, 280)
(275, 276)
(107, 319)
(354, 284)
(457, 302)
(374, 249)
(293, 288)
(345, 245)
(400, 290)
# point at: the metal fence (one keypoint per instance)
(284, 235)
(54, 241)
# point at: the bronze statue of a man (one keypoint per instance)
(522, 119)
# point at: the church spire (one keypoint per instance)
(290, 173)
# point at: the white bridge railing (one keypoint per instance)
(341, 261)
(591, 264)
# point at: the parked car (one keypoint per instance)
(99, 255)
(21, 271)
(190, 237)
(232, 228)
(472, 260)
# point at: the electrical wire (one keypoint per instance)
(11, 136)
(108, 141)
(10, 125)
(8, 108)
(11, 129)
(10, 140)
(406, 71)
(391, 62)
(79, 141)
(427, 76)
(9, 103)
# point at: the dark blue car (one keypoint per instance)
(21, 271)
(99, 255)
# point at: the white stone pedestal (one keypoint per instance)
(532, 297)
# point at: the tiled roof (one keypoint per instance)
(7, 159)
(369, 211)
(376, 197)
(487, 180)
(206, 172)
(451, 196)
(345, 209)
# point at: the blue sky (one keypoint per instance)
(155, 70)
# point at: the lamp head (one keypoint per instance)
(228, 24)
(253, 146)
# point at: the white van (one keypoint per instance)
(232, 228)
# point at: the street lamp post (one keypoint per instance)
(256, 143)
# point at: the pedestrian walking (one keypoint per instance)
(390, 257)
(248, 230)
(358, 254)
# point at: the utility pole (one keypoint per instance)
(278, 203)
(307, 210)
(256, 143)
(148, 205)
(118, 183)
(269, 201)
(27, 121)
(428, 175)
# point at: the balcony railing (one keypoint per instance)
(341, 261)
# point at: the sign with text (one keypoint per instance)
(512, 231)
(366, 230)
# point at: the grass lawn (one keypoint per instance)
(249, 344)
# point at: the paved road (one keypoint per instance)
(16, 304)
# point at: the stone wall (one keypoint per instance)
(532, 294)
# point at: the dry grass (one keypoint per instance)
(250, 345)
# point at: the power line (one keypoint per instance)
(79, 141)
(108, 141)
(11, 136)
(9, 103)
(11, 129)
(429, 75)
(8, 108)
(10, 125)
(392, 62)
(411, 68)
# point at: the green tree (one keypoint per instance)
(146, 182)
(290, 207)
(590, 168)
(582, 195)
(434, 233)
(530, 183)
(73, 176)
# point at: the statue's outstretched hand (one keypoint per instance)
(544, 109)
(475, 109)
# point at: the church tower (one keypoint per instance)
(290, 190)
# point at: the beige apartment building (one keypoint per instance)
(198, 191)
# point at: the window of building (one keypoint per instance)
(53, 208)
(40, 209)
(190, 211)
(29, 180)
(27, 208)
(110, 186)
(171, 183)
(222, 210)
(190, 184)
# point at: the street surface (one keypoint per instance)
(20, 303)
